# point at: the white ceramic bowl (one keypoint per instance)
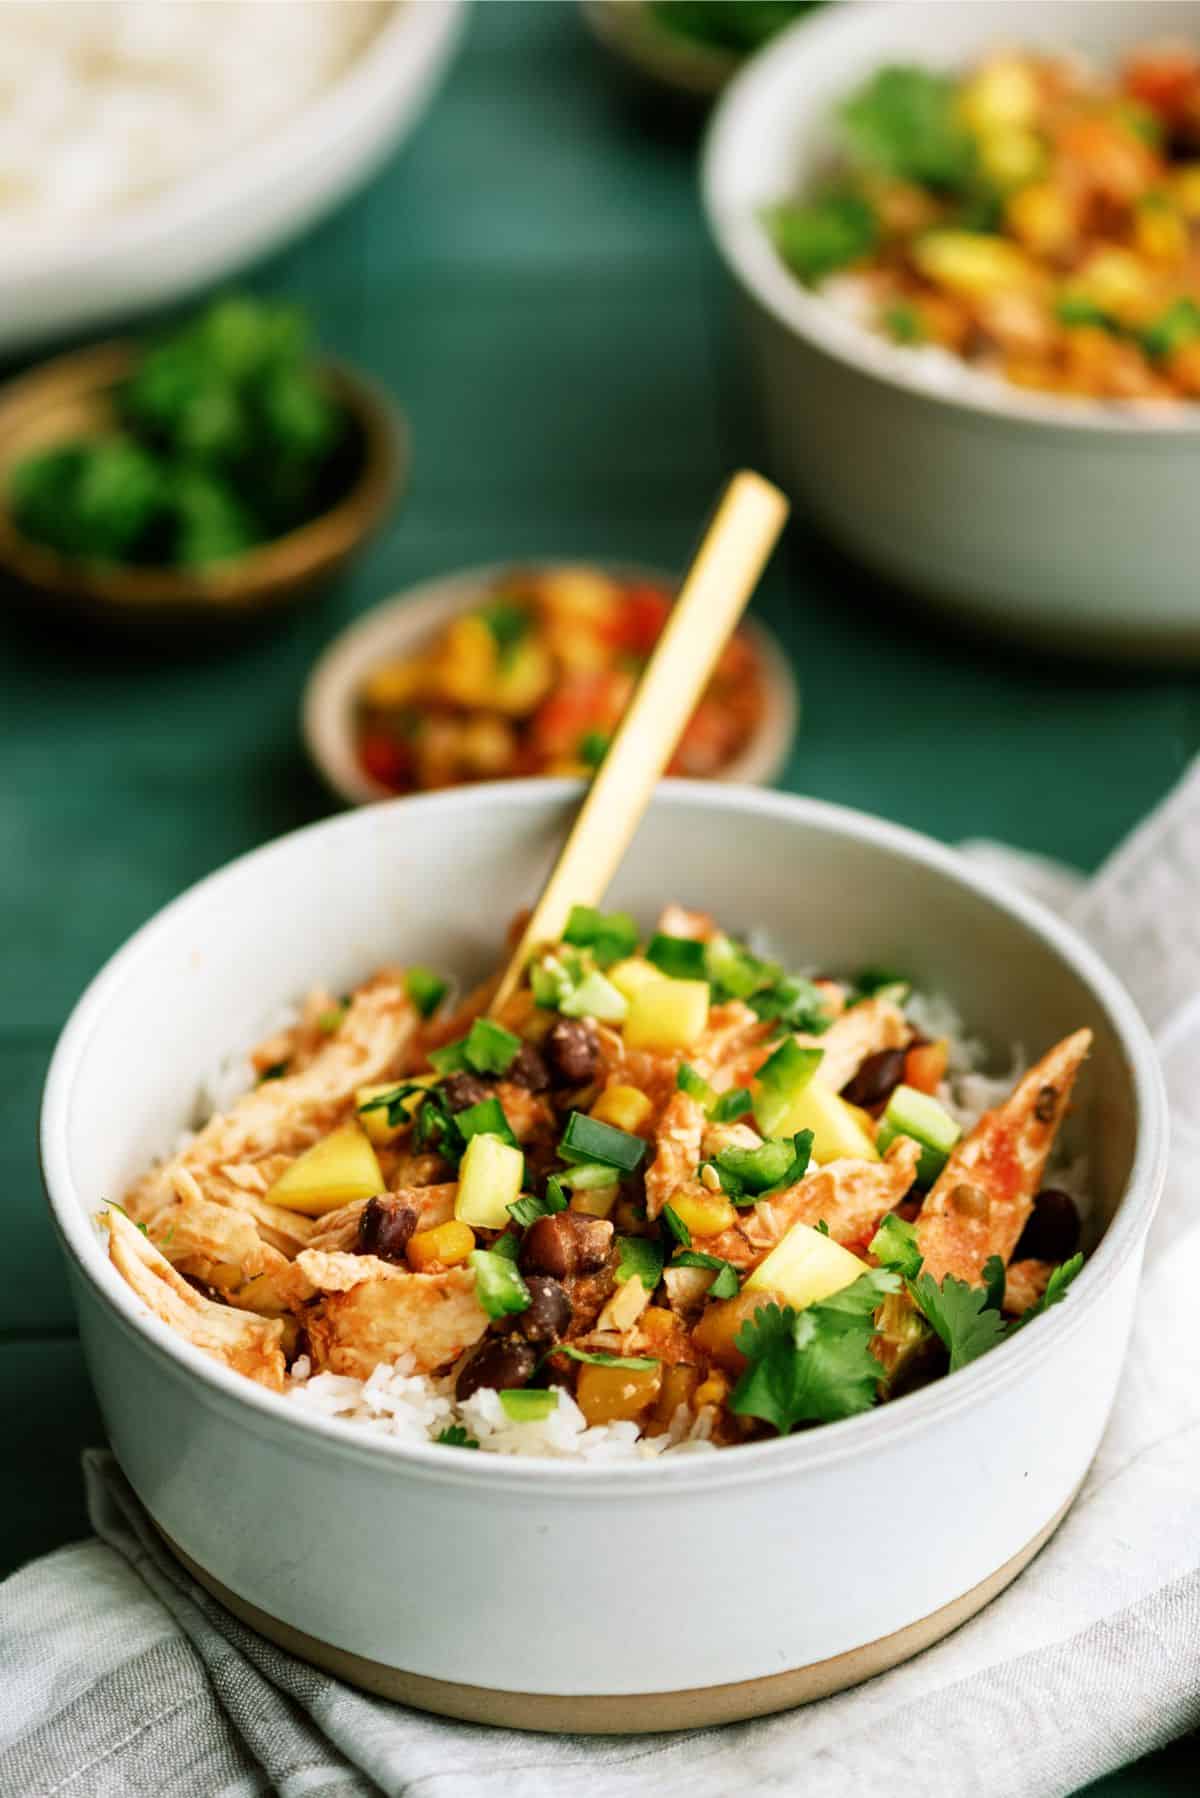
(406, 624)
(203, 228)
(721, 1585)
(1066, 521)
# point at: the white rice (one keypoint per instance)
(397, 1402)
(410, 1407)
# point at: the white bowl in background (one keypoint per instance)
(1070, 522)
(545, 1594)
(202, 228)
(404, 625)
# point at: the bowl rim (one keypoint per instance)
(408, 615)
(745, 248)
(231, 585)
(311, 1433)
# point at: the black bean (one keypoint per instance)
(384, 1227)
(567, 1243)
(500, 1362)
(1051, 1232)
(876, 1080)
(572, 1052)
(528, 1069)
(549, 1312)
(461, 1090)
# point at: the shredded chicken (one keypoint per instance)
(849, 1197)
(985, 1192)
(371, 1311)
(250, 1345)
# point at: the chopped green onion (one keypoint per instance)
(1073, 309)
(587, 1176)
(509, 624)
(824, 235)
(508, 1245)
(587, 1139)
(451, 1058)
(529, 1405)
(485, 1119)
(726, 1283)
(498, 1286)
(610, 936)
(594, 997)
(330, 1021)
(1178, 325)
(781, 1080)
(426, 990)
(693, 1084)
(733, 972)
(640, 1258)
(679, 957)
(393, 1102)
(276, 1071)
(794, 1003)
(490, 1048)
(731, 1105)
(528, 1209)
(600, 1358)
(676, 1226)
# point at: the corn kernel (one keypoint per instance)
(624, 1106)
(396, 683)
(703, 1216)
(712, 1390)
(443, 1246)
(523, 681)
(1041, 217)
(466, 665)
(1003, 94)
(1115, 281)
(1161, 233)
(1011, 156)
(973, 263)
(1185, 185)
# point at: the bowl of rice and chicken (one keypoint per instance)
(836, 1183)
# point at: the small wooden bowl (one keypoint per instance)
(408, 622)
(72, 396)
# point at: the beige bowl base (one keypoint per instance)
(626, 1714)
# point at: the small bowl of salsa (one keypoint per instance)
(513, 671)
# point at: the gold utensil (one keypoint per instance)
(725, 570)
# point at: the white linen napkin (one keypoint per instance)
(120, 1675)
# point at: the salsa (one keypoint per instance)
(534, 680)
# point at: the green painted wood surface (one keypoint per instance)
(531, 279)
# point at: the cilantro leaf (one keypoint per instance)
(905, 121)
(961, 1316)
(1056, 1291)
(894, 1244)
(809, 1368)
(454, 1436)
(995, 1279)
(726, 1283)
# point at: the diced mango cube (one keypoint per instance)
(632, 973)
(522, 679)
(625, 1106)
(489, 1181)
(375, 1122)
(341, 1167)
(667, 1014)
(805, 1267)
(598, 1202)
(615, 1394)
(837, 1130)
(466, 661)
(444, 1246)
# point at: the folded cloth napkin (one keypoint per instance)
(119, 1675)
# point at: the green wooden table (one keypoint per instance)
(531, 279)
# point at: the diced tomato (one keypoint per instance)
(925, 1066)
(1167, 79)
(385, 760)
(581, 703)
(639, 620)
